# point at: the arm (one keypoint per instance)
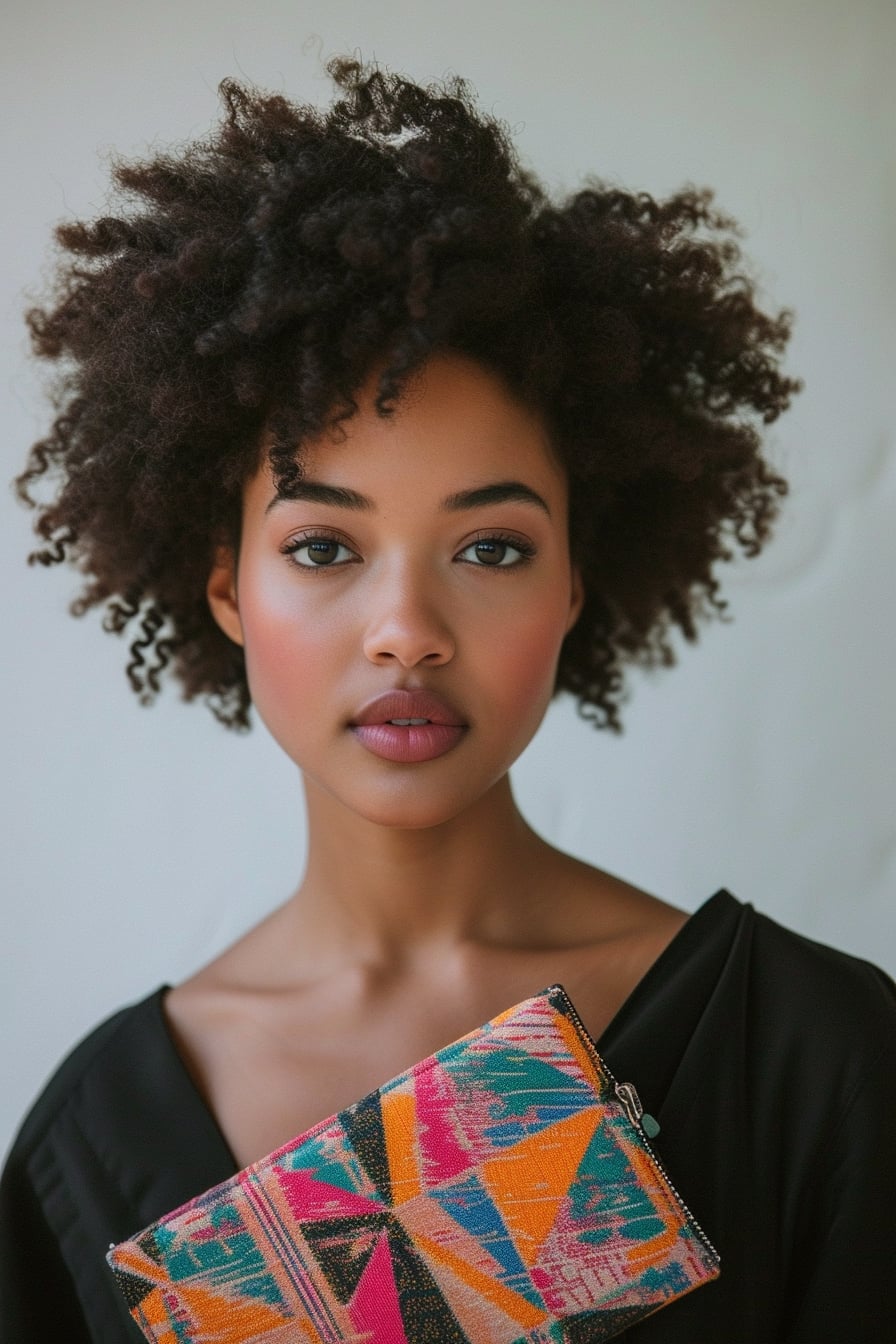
(848, 1232)
(38, 1300)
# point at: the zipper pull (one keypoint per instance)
(628, 1095)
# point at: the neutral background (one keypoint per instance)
(138, 843)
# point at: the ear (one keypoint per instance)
(221, 593)
(576, 597)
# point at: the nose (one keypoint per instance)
(404, 623)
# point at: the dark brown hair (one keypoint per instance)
(250, 281)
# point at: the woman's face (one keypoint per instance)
(427, 554)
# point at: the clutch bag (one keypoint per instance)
(502, 1191)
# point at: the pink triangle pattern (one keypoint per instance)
(375, 1306)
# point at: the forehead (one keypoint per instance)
(455, 425)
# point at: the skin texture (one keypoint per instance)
(407, 603)
(427, 904)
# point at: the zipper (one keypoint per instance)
(627, 1094)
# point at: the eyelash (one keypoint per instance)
(524, 549)
(296, 544)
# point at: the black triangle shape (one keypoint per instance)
(425, 1312)
(427, 1316)
(343, 1246)
(363, 1125)
(134, 1288)
(149, 1246)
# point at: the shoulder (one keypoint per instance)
(801, 979)
(819, 1024)
(77, 1177)
(107, 1048)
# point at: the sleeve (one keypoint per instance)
(39, 1302)
(849, 1230)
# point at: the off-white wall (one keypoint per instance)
(140, 842)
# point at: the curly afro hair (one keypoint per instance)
(256, 277)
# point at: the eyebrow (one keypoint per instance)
(339, 497)
(502, 492)
(316, 492)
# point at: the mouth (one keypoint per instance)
(408, 727)
(408, 709)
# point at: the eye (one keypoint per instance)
(318, 552)
(496, 552)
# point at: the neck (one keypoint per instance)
(379, 894)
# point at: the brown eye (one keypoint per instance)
(491, 552)
(319, 553)
(497, 553)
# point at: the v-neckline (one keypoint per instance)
(689, 934)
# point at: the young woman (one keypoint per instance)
(359, 427)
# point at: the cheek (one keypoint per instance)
(524, 658)
(289, 643)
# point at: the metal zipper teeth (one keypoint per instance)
(603, 1067)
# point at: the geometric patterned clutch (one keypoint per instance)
(502, 1191)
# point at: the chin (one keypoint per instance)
(412, 813)
(405, 804)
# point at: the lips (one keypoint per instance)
(408, 705)
(375, 726)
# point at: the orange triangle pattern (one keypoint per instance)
(530, 1181)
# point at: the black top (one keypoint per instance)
(769, 1060)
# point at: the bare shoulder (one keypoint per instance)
(207, 1012)
(245, 963)
(608, 909)
(614, 933)
(242, 1051)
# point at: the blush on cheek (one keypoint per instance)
(530, 652)
(286, 665)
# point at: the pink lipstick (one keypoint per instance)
(408, 726)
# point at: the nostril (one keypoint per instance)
(410, 643)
